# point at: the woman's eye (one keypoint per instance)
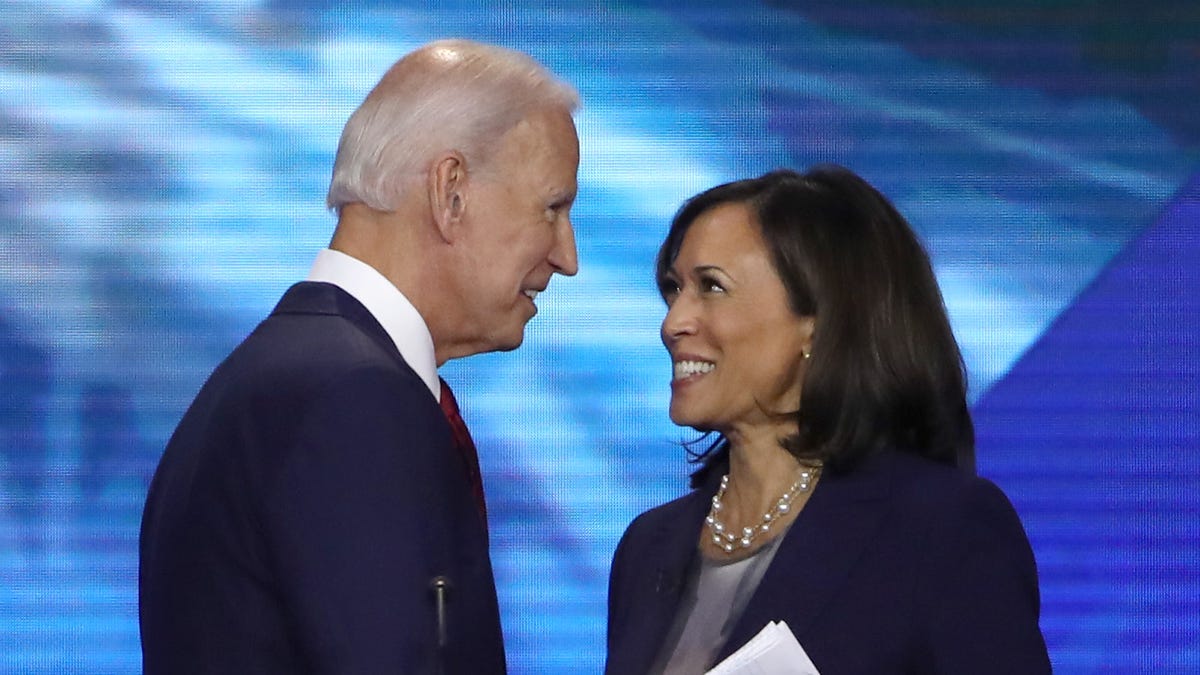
(709, 285)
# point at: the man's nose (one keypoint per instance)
(563, 256)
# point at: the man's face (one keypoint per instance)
(518, 228)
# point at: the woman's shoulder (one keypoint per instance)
(940, 493)
(919, 477)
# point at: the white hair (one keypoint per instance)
(448, 95)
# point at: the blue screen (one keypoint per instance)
(163, 167)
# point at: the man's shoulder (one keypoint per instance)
(293, 358)
(318, 325)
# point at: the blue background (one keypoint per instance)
(162, 173)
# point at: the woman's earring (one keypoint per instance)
(807, 355)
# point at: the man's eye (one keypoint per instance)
(553, 211)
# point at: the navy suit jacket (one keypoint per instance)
(901, 566)
(303, 507)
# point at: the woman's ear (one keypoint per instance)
(447, 193)
(808, 326)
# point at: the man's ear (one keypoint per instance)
(447, 193)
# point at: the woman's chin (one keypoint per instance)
(687, 418)
(679, 414)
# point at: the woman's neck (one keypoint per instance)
(764, 491)
(758, 475)
(760, 472)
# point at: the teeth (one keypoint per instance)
(531, 294)
(688, 368)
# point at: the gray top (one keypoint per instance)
(712, 602)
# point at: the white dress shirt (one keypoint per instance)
(388, 305)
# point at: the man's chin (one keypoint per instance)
(509, 335)
(508, 347)
(507, 343)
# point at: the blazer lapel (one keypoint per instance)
(818, 551)
(667, 579)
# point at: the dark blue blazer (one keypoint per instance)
(901, 566)
(303, 507)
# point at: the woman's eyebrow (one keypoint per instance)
(708, 269)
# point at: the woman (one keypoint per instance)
(806, 329)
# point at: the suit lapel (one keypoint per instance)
(817, 552)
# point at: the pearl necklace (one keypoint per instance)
(727, 541)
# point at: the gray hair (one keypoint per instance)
(448, 95)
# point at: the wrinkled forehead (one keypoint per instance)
(543, 147)
(544, 132)
(541, 135)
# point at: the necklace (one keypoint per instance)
(727, 540)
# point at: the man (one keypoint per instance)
(316, 510)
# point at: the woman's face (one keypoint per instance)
(737, 348)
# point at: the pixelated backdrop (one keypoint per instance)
(163, 166)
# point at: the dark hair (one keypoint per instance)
(885, 370)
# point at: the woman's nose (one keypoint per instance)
(679, 321)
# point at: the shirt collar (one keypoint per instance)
(385, 302)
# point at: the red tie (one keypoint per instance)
(464, 445)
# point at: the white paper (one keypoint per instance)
(774, 651)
